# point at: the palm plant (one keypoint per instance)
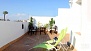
(5, 12)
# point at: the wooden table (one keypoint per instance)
(42, 29)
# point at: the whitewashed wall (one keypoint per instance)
(76, 15)
(10, 31)
(42, 19)
(63, 18)
(70, 17)
(83, 42)
(86, 26)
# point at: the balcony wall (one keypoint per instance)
(41, 19)
(62, 20)
(10, 31)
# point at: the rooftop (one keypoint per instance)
(29, 41)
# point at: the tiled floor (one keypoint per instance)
(29, 41)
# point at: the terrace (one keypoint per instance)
(27, 42)
(10, 35)
(19, 39)
(77, 19)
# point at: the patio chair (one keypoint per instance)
(48, 45)
(33, 30)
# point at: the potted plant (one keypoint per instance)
(51, 23)
(46, 26)
(31, 23)
(39, 24)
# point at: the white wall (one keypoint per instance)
(83, 42)
(10, 31)
(76, 15)
(63, 18)
(42, 19)
(86, 26)
(70, 17)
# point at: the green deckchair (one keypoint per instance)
(50, 46)
(51, 41)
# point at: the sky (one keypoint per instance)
(22, 9)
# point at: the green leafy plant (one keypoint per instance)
(51, 23)
(31, 21)
(46, 25)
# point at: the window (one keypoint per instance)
(22, 26)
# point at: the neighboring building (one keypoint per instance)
(24, 20)
(28, 20)
(1, 19)
(20, 20)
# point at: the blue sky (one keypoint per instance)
(21, 9)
